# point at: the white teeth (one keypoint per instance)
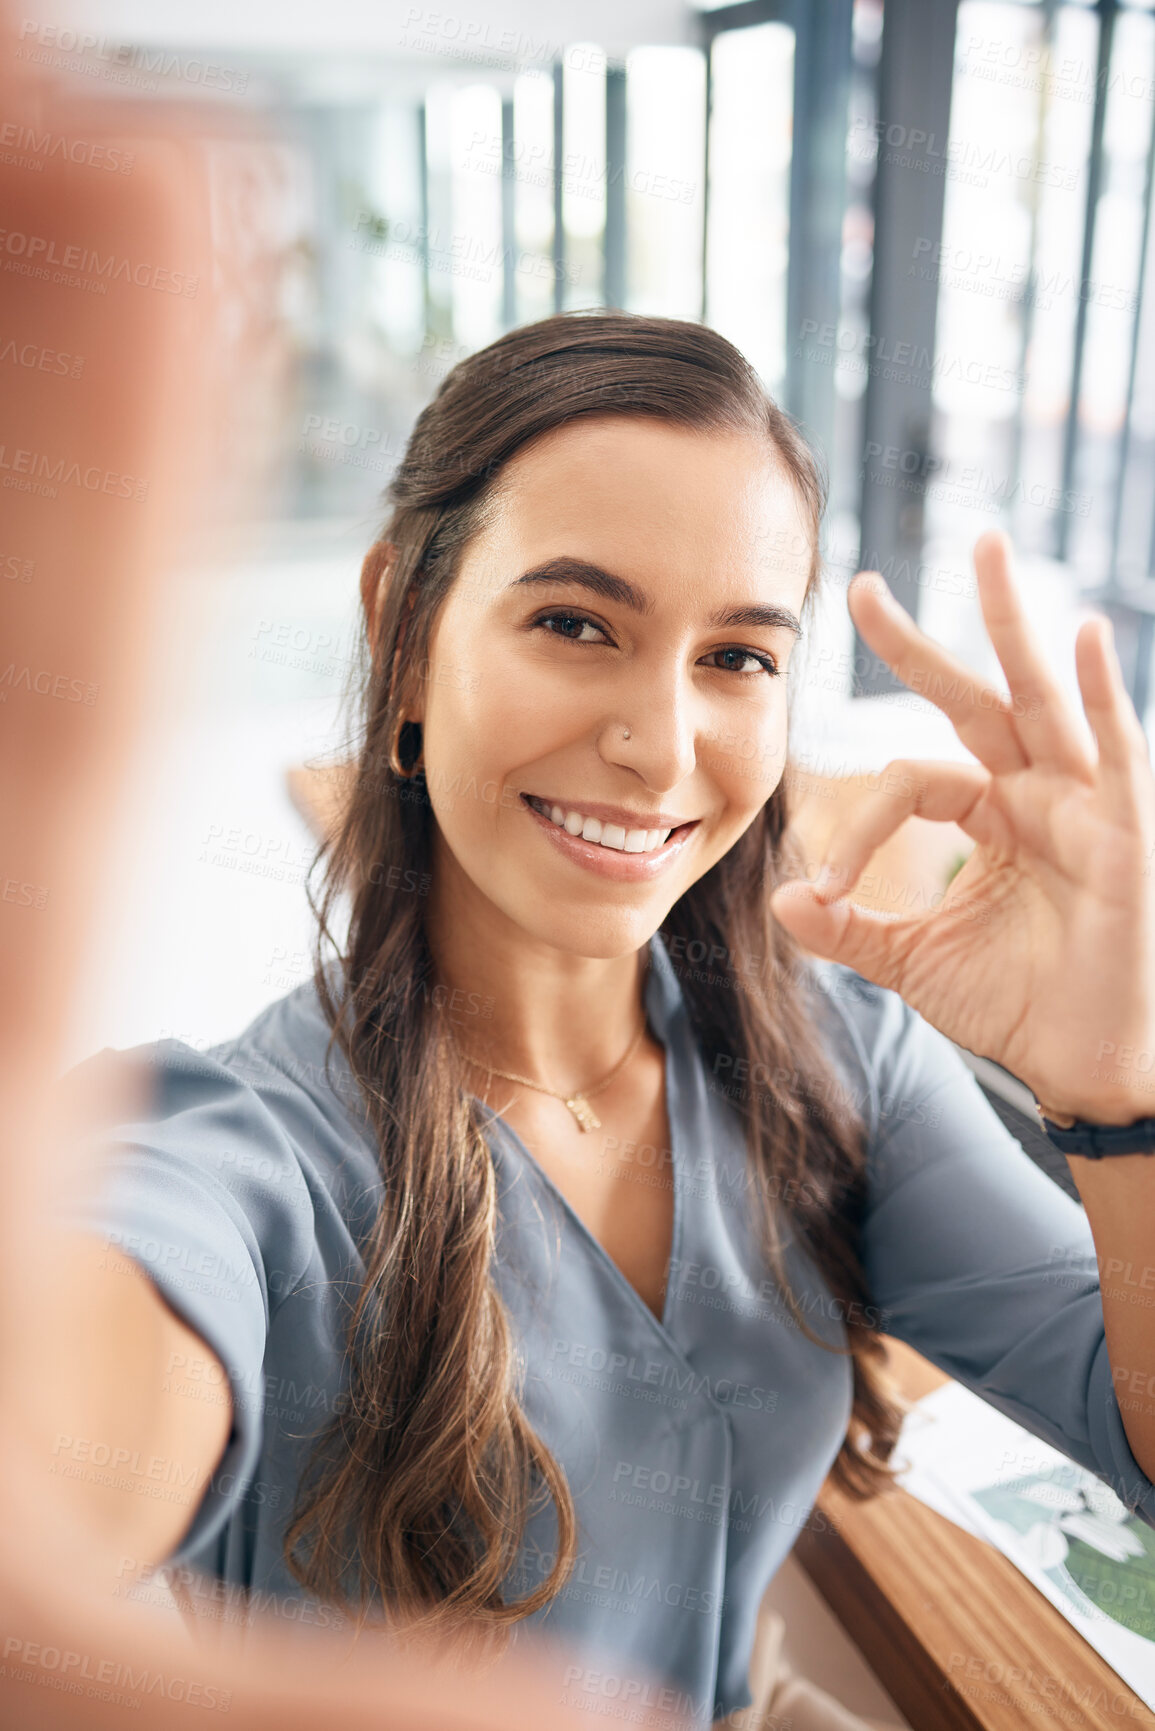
(611, 835)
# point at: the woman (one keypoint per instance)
(530, 1262)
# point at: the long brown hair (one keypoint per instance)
(420, 1489)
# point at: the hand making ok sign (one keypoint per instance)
(1041, 954)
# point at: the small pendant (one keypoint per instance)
(584, 1113)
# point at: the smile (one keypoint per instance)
(612, 850)
(611, 835)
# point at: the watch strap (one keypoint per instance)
(1099, 1141)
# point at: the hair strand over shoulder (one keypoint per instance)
(419, 1491)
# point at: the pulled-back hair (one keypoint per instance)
(419, 1491)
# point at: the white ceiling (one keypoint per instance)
(514, 30)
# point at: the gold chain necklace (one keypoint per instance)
(578, 1103)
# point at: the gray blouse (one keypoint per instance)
(694, 1445)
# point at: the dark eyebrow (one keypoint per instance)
(773, 618)
(613, 588)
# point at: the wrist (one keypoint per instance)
(1116, 1109)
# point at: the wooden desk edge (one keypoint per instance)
(958, 1637)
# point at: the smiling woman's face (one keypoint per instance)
(630, 574)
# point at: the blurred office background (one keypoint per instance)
(927, 223)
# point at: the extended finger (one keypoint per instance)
(1043, 718)
(1124, 769)
(874, 945)
(980, 714)
(942, 792)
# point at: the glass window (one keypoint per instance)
(751, 123)
(583, 173)
(665, 160)
(473, 256)
(396, 282)
(1110, 290)
(532, 168)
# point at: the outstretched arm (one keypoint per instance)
(102, 467)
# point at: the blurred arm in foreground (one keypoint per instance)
(107, 464)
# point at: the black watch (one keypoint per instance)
(1096, 1141)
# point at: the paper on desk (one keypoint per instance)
(1060, 1525)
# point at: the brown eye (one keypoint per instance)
(762, 663)
(562, 624)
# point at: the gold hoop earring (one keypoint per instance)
(395, 763)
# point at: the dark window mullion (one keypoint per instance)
(1107, 11)
(708, 49)
(823, 57)
(558, 184)
(508, 218)
(1136, 328)
(423, 179)
(614, 287)
(1027, 322)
